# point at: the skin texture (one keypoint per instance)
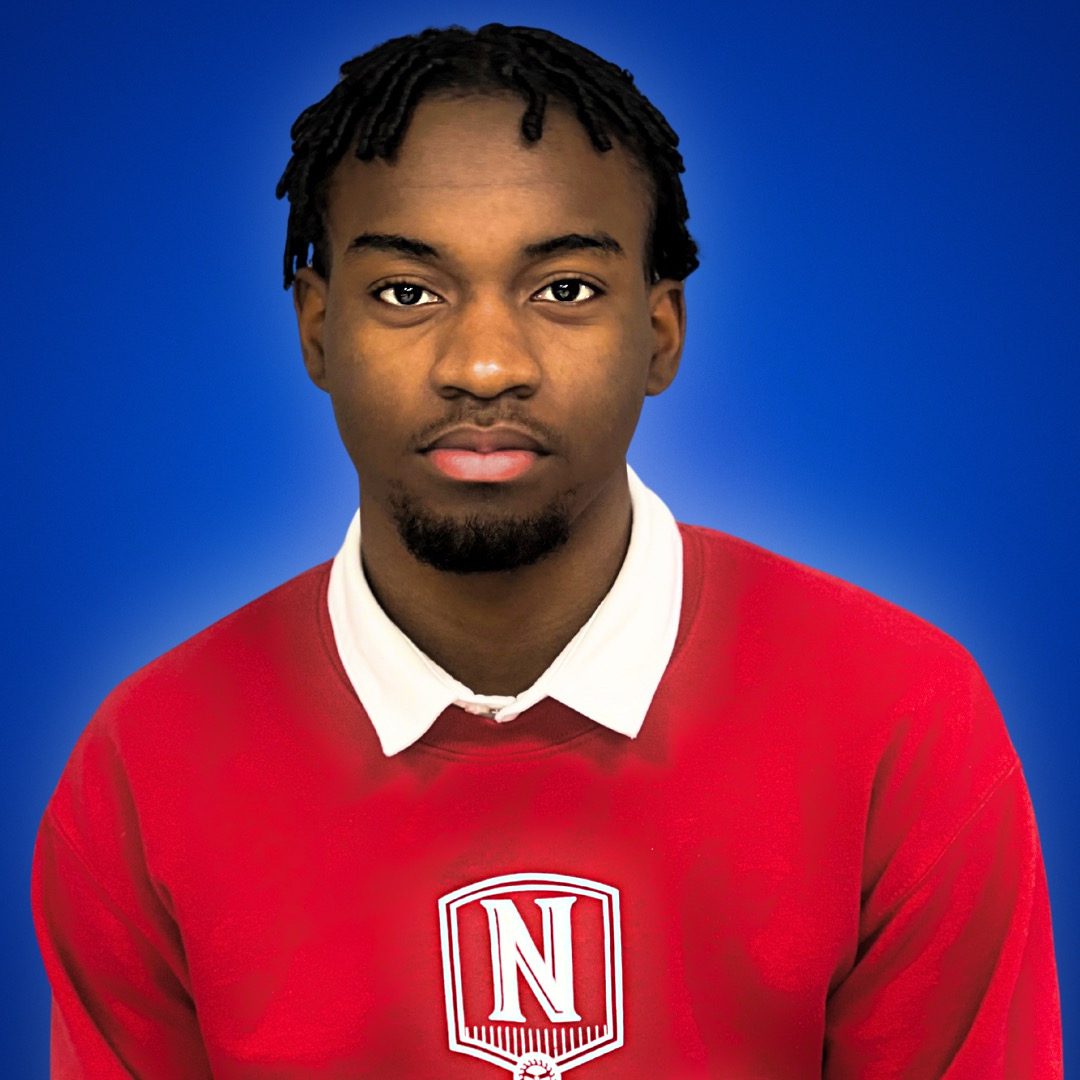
(490, 344)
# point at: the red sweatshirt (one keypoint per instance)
(818, 858)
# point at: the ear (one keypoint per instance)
(667, 313)
(309, 299)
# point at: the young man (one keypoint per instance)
(530, 778)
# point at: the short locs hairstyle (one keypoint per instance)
(370, 108)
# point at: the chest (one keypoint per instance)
(677, 913)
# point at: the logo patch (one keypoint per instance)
(532, 971)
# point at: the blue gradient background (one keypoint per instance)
(880, 377)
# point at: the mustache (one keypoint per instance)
(481, 415)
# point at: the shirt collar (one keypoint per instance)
(609, 671)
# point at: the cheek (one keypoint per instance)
(629, 381)
(608, 388)
(627, 368)
(365, 397)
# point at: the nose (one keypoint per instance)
(485, 353)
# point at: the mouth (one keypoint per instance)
(486, 455)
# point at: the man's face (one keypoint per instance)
(487, 334)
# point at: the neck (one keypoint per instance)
(497, 633)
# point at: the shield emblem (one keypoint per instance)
(532, 970)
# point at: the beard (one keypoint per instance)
(480, 543)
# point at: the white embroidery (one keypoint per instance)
(550, 976)
(536, 1067)
(491, 959)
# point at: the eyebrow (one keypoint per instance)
(394, 242)
(575, 242)
(420, 249)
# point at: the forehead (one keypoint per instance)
(464, 170)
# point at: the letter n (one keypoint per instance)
(550, 976)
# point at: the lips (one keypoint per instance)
(486, 440)
(485, 455)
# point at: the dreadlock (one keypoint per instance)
(371, 106)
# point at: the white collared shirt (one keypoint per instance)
(608, 671)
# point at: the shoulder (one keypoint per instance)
(799, 604)
(856, 666)
(206, 702)
(891, 708)
(273, 638)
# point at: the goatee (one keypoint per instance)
(480, 544)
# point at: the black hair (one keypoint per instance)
(371, 106)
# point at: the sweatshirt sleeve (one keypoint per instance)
(954, 973)
(121, 1006)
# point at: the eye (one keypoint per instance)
(568, 291)
(405, 294)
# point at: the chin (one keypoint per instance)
(484, 541)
